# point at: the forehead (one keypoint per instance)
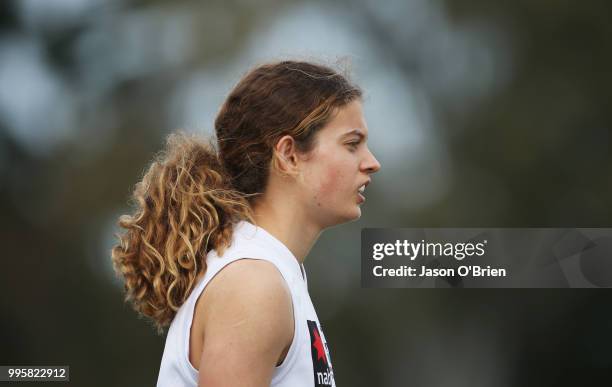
(347, 119)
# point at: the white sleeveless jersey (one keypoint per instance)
(307, 362)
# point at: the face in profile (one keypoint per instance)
(339, 165)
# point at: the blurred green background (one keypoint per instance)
(482, 114)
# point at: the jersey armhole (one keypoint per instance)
(281, 369)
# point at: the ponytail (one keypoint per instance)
(185, 207)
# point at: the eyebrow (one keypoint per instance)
(357, 132)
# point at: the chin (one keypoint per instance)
(352, 216)
(340, 218)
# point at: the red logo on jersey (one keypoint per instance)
(318, 345)
(321, 364)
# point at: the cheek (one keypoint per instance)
(331, 183)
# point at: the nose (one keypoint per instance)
(370, 164)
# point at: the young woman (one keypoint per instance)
(215, 249)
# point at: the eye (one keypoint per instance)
(353, 145)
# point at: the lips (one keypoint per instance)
(361, 189)
(360, 198)
(361, 192)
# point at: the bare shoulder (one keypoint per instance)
(247, 281)
(244, 316)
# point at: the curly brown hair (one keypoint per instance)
(191, 196)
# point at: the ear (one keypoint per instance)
(285, 156)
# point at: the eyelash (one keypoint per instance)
(353, 145)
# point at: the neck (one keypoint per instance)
(287, 224)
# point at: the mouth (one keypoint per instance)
(360, 198)
(361, 192)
